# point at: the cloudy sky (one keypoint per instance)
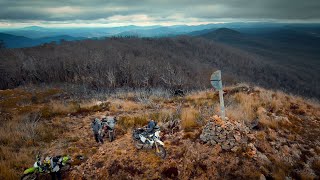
(58, 13)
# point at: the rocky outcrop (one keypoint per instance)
(229, 135)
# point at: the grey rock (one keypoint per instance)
(262, 177)
(213, 142)
(225, 147)
(235, 149)
(263, 157)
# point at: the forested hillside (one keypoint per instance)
(182, 62)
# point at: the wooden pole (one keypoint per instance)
(216, 82)
(223, 115)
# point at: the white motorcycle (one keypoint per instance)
(142, 139)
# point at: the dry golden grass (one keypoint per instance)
(201, 98)
(130, 121)
(20, 141)
(262, 103)
(189, 118)
(248, 105)
(59, 107)
(27, 131)
(266, 120)
(164, 115)
(123, 105)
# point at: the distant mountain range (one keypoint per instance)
(294, 50)
(266, 39)
(281, 40)
(12, 41)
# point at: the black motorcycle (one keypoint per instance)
(108, 126)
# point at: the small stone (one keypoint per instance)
(250, 145)
(312, 151)
(222, 136)
(215, 138)
(262, 177)
(251, 137)
(202, 137)
(230, 136)
(225, 147)
(235, 149)
(213, 142)
(263, 157)
(220, 140)
(286, 150)
(231, 143)
(237, 137)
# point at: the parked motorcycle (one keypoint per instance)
(108, 126)
(142, 139)
(40, 168)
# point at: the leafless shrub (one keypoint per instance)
(29, 126)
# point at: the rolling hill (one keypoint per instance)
(12, 41)
(179, 62)
(293, 50)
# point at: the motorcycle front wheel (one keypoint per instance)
(30, 176)
(138, 144)
(161, 151)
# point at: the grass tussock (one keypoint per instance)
(201, 98)
(267, 106)
(130, 121)
(189, 117)
(247, 106)
(122, 105)
(164, 115)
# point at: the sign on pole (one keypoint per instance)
(216, 82)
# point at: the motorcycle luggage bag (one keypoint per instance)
(136, 136)
(136, 133)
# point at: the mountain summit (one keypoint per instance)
(222, 33)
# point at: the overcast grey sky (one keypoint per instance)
(153, 12)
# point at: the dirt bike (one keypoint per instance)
(40, 168)
(149, 141)
(109, 128)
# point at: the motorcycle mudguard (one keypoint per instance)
(157, 134)
(65, 159)
(160, 142)
(29, 170)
